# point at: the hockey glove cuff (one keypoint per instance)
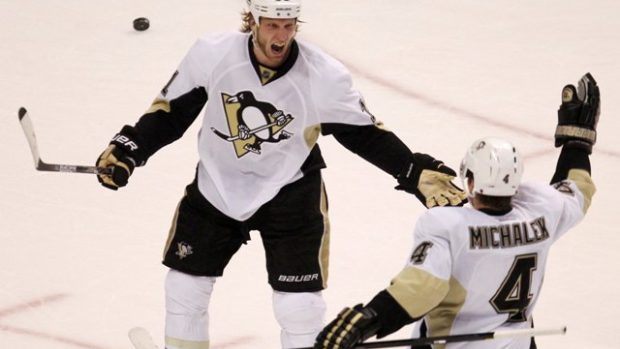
(431, 182)
(351, 327)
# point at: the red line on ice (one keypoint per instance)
(546, 136)
(52, 337)
(31, 304)
(38, 334)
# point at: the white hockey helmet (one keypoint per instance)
(274, 8)
(496, 166)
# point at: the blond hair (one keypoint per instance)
(247, 20)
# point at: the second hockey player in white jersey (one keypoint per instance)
(480, 268)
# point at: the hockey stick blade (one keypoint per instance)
(41, 165)
(469, 337)
(141, 339)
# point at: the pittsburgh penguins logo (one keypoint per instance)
(419, 254)
(252, 123)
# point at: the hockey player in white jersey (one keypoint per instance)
(480, 268)
(270, 97)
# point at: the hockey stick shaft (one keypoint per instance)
(39, 164)
(251, 132)
(469, 337)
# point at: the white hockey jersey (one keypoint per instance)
(257, 131)
(472, 272)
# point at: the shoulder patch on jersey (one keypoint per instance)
(564, 187)
(421, 251)
(365, 110)
(164, 91)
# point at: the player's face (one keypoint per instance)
(273, 40)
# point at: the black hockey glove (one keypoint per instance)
(431, 182)
(578, 115)
(349, 328)
(122, 156)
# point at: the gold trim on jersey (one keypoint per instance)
(441, 319)
(311, 135)
(185, 344)
(173, 228)
(231, 110)
(585, 184)
(324, 249)
(266, 74)
(417, 290)
(159, 104)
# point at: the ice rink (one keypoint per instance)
(80, 265)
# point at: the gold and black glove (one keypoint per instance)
(431, 182)
(122, 155)
(578, 115)
(351, 327)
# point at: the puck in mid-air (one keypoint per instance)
(141, 24)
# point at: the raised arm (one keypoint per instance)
(576, 133)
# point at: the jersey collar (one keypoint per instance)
(494, 212)
(267, 74)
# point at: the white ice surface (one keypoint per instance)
(80, 265)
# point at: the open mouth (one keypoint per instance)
(277, 48)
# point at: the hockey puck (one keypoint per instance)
(141, 24)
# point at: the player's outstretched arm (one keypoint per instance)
(419, 174)
(576, 133)
(382, 316)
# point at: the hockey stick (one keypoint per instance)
(141, 339)
(41, 165)
(250, 132)
(234, 138)
(469, 337)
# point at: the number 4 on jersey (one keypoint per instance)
(513, 296)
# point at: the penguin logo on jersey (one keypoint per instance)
(252, 123)
(184, 250)
(419, 254)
